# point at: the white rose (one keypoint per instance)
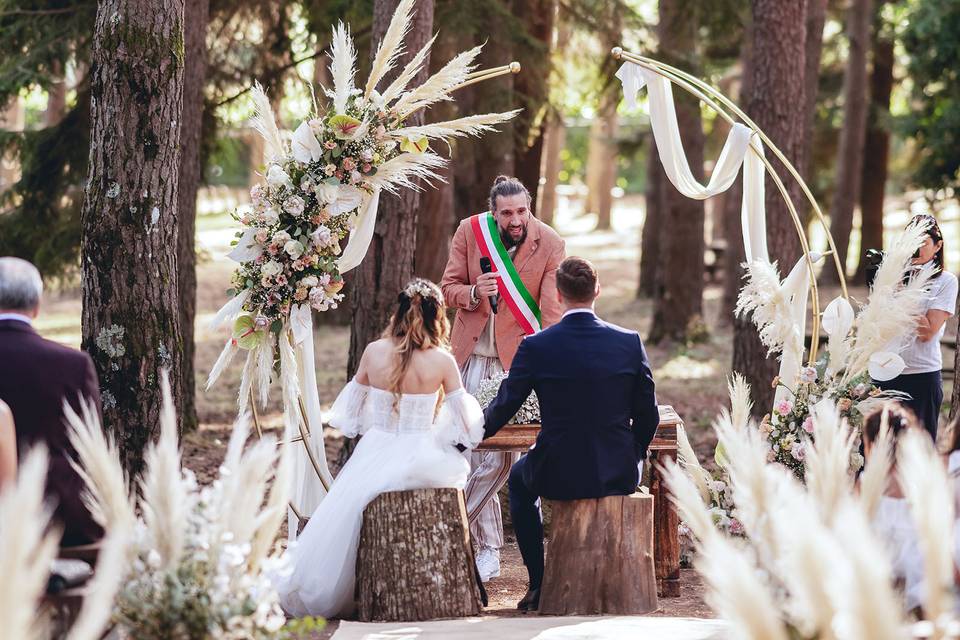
(293, 248)
(309, 281)
(321, 236)
(271, 268)
(270, 216)
(277, 177)
(281, 237)
(293, 205)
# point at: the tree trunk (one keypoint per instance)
(414, 560)
(554, 140)
(816, 18)
(197, 14)
(775, 101)
(876, 145)
(678, 295)
(131, 317)
(388, 265)
(850, 152)
(602, 158)
(56, 96)
(652, 219)
(600, 557)
(538, 16)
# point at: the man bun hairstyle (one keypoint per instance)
(577, 280)
(506, 186)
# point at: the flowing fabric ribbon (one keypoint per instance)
(361, 235)
(796, 289)
(522, 305)
(666, 134)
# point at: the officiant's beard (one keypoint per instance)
(509, 242)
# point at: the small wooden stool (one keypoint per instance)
(415, 561)
(600, 557)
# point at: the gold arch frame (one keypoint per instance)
(711, 97)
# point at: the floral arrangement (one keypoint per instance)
(198, 558)
(529, 412)
(323, 184)
(789, 429)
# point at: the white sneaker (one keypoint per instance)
(488, 563)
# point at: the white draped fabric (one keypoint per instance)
(361, 235)
(796, 288)
(666, 133)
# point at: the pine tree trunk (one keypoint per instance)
(876, 145)
(602, 158)
(776, 103)
(678, 296)
(197, 13)
(388, 265)
(553, 143)
(850, 152)
(414, 560)
(530, 86)
(131, 315)
(652, 219)
(816, 18)
(56, 96)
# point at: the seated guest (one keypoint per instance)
(597, 406)
(8, 447)
(892, 522)
(36, 377)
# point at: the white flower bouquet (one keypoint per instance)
(529, 412)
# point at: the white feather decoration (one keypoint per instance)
(264, 368)
(401, 172)
(437, 87)
(764, 298)
(27, 548)
(265, 123)
(230, 310)
(246, 380)
(273, 514)
(468, 126)
(691, 507)
(687, 458)
(391, 47)
(876, 471)
(343, 61)
(165, 498)
(928, 490)
(827, 465)
(740, 402)
(223, 361)
(408, 73)
(97, 609)
(106, 493)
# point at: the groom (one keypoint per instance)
(597, 407)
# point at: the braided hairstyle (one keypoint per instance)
(419, 323)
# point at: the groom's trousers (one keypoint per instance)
(527, 523)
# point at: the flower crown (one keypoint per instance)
(422, 289)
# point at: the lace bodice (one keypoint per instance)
(360, 408)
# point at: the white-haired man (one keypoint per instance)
(35, 377)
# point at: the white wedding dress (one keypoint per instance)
(407, 444)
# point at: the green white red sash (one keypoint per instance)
(522, 305)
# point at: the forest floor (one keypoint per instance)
(691, 377)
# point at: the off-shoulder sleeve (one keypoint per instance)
(460, 420)
(347, 409)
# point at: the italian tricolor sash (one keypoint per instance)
(522, 305)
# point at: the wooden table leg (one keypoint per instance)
(666, 540)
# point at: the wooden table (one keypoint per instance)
(666, 542)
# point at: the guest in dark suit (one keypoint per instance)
(597, 406)
(36, 375)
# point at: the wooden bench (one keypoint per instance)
(415, 561)
(600, 557)
(666, 541)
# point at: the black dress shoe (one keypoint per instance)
(530, 602)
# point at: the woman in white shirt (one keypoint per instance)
(921, 377)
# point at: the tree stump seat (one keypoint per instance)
(415, 561)
(600, 557)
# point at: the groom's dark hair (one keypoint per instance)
(577, 280)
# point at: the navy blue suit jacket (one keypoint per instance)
(597, 405)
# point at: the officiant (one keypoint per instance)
(501, 279)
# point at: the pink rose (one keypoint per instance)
(808, 424)
(367, 167)
(281, 280)
(330, 145)
(261, 236)
(784, 407)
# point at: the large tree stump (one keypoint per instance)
(415, 561)
(600, 557)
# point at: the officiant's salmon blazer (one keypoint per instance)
(536, 260)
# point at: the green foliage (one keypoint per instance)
(932, 39)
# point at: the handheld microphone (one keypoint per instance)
(487, 267)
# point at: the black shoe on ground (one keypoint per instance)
(530, 602)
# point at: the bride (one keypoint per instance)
(408, 443)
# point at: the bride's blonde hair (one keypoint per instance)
(420, 322)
